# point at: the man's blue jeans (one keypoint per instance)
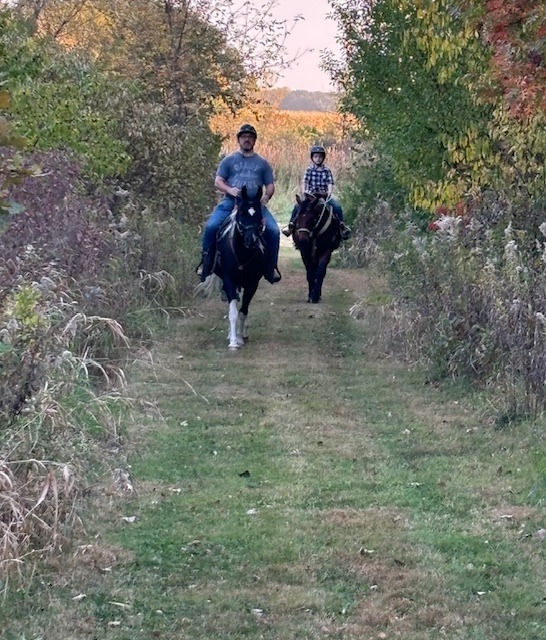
(271, 233)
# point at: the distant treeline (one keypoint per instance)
(300, 100)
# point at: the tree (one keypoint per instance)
(192, 51)
(453, 92)
(402, 81)
(516, 32)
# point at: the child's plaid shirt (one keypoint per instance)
(317, 179)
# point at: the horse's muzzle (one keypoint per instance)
(303, 235)
(250, 240)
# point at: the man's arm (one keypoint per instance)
(224, 187)
(268, 194)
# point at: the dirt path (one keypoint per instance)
(302, 487)
(305, 487)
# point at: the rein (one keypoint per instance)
(235, 229)
(321, 230)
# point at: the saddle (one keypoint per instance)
(227, 226)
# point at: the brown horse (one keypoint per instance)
(316, 235)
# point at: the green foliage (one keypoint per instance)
(372, 180)
(12, 164)
(60, 100)
(406, 82)
(409, 106)
(427, 83)
(69, 105)
(173, 164)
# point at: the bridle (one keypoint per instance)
(324, 214)
(242, 228)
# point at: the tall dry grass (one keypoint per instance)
(64, 279)
(285, 138)
(469, 302)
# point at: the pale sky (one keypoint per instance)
(315, 32)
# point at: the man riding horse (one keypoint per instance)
(243, 168)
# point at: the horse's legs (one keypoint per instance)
(310, 271)
(320, 274)
(312, 280)
(243, 323)
(231, 294)
(242, 326)
(234, 341)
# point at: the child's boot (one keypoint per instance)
(288, 229)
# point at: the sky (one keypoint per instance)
(315, 33)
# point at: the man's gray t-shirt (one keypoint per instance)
(253, 171)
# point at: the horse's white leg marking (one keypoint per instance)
(242, 327)
(233, 313)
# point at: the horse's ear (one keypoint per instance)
(298, 199)
(244, 194)
(259, 194)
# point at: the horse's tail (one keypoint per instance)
(210, 288)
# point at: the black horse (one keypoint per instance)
(316, 234)
(241, 261)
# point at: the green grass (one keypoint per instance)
(304, 487)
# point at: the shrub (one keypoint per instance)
(470, 294)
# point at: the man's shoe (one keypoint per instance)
(205, 268)
(288, 230)
(275, 277)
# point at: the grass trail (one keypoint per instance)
(303, 488)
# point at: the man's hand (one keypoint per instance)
(233, 191)
(265, 198)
